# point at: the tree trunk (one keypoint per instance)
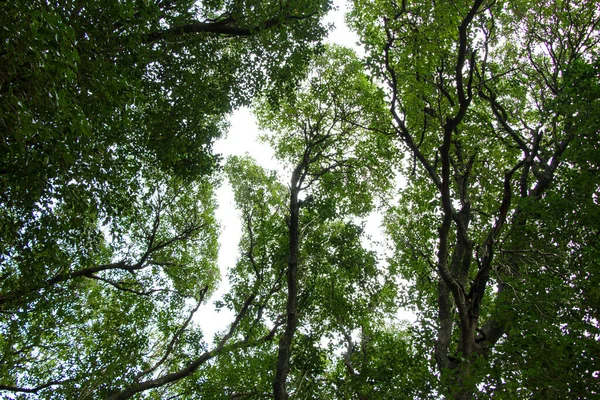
(283, 357)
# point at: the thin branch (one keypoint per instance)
(480, 282)
(175, 338)
(502, 117)
(250, 252)
(91, 272)
(401, 126)
(203, 358)
(120, 286)
(36, 389)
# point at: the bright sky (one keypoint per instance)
(242, 139)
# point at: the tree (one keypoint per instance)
(337, 165)
(108, 114)
(493, 100)
(385, 363)
(332, 263)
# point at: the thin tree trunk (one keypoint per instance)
(283, 357)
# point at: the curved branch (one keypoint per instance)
(401, 128)
(175, 338)
(193, 366)
(120, 265)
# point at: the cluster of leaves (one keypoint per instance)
(107, 175)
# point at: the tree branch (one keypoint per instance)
(225, 27)
(174, 339)
(194, 365)
(401, 127)
(36, 389)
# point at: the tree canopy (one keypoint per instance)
(495, 102)
(472, 127)
(109, 241)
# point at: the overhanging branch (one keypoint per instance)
(225, 27)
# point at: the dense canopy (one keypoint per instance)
(471, 126)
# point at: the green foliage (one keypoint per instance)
(108, 240)
(389, 364)
(115, 314)
(337, 124)
(262, 202)
(107, 118)
(514, 88)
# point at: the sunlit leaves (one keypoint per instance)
(338, 121)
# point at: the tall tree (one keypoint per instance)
(494, 102)
(340, 288)
(108, 114)
(336, 164)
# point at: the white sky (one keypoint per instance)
(242, 139)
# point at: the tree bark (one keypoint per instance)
(225, 27)
(285, 343)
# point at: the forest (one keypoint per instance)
(471, 126)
